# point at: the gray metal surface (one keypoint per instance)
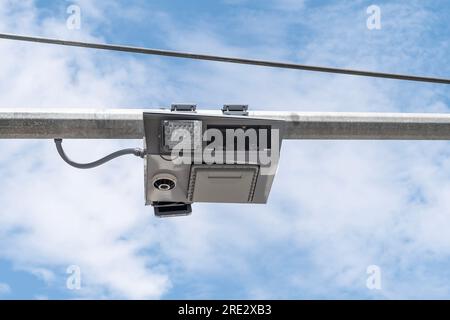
(222, 183)
(362, 126)
(71, 124)
(127, 124)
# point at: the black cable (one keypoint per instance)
(137, 152)
(264, 63)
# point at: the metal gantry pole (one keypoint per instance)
(34, 123)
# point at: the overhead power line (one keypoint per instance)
(236, 60)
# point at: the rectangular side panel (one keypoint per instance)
(222, 183)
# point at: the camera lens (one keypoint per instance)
(164, 184)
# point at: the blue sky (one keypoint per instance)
(335, 208)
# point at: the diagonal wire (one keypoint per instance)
(196, 56)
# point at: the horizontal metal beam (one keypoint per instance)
(71, 124)
(362, 126)
(128, 124)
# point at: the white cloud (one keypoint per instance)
(44, 223)
(45, 274)
(4, 289)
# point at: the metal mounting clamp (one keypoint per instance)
(235, 109)
(183, 108)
